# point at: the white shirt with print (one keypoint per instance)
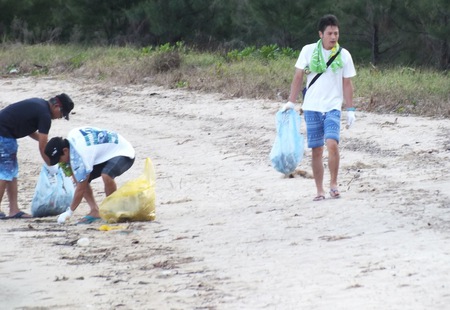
(90, 146)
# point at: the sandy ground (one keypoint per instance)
(231, 232)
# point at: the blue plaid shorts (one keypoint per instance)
(322, 126)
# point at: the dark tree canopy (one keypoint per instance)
(375, 31)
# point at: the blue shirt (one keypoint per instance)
(25, 117)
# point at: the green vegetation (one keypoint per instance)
(252, 72)
(382, 32)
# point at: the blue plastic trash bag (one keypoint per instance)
(287, 150)
(53, 194)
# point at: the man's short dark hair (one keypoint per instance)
(327, 20)
(54, 149)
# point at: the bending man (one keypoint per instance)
(89, 153)
(31, 117)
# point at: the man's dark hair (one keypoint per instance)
(327, 20)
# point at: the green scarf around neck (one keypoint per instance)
(318, 63)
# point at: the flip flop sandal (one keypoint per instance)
(88, 219)
(334, 193)
(18, 215)
(319, 198)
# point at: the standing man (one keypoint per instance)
(30, 117)
(324, 98)
(89, 153)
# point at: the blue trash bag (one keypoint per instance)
(287, 150)
(53, 194)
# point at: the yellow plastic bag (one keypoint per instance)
(133, 201)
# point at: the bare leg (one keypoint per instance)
(2, 189)
(110, 184)
(89, 196)
(317, 167)
(11, 190)
(333, 162)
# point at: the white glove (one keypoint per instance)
(65, 216)
(350, 118)
(287, 106)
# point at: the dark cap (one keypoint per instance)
(66, 104)
(54, 149)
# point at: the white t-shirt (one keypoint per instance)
(326, 93)
(90, 146)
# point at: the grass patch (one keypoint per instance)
(404, 90)
(251, 73)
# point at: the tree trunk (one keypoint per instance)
(375, 45)
(445, 56)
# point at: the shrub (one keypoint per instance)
(166, 61)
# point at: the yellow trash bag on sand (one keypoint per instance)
(133, 201)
